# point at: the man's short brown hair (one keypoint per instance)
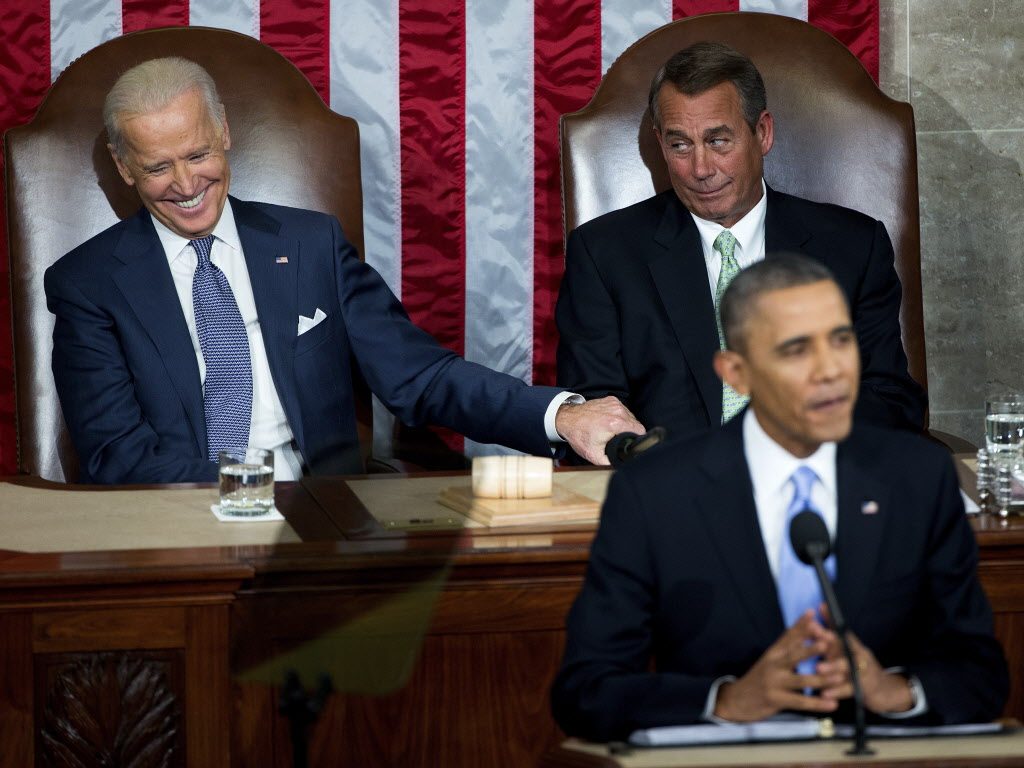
(702, 66)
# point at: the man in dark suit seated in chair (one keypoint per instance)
(206, 322)
(692, 564)
(637, 309)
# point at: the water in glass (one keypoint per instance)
(246, 489)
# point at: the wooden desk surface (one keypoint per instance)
(999, 751)
(40, 516)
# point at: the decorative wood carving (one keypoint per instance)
(111, 709)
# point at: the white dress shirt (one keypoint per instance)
(749, 234)
(771, 474)
(268, 426)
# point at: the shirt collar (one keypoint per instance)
(174, 244)
(771, 465)
(745, 230)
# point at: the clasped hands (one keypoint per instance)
(772, 685)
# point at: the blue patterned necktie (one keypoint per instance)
(227, 391)
(797, 584)
(725, 244)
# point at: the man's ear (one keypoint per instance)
(764, 130)
(732, 369)
(661, 145)
(121, 167)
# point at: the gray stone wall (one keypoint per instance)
(960, 63)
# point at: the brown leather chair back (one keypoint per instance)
(838, 138)
(62, 188)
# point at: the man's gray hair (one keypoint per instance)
(151, 86)
(776, 273)
(702, 66)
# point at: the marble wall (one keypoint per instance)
(960, 63)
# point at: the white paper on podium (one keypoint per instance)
(969, 506)
(777, 729)
(792, 728)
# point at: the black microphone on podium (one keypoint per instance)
(811, 543)
(628, 445)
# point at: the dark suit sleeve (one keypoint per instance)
(590, 343)
(888, 395)
(423, 383)
(606, 687)
(961, 666)
(114, 441)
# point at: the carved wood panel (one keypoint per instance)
(120, 709)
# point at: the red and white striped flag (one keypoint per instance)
(458, 104)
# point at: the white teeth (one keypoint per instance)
(193, 202)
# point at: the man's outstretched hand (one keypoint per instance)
(587, 427)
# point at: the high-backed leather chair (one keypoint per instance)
(62, 188)
(838, 138)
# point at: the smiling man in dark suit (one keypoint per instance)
(692, 565)
(206, 322)
(637, 309)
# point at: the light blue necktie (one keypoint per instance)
(227, 391)
(798, 585)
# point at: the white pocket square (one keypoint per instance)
(308, 323)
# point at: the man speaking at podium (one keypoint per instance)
(206, 322)
(692, 565)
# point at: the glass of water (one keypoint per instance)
(246, 481)
(1004, 427)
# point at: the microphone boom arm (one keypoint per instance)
(810, 540)
(860, 741)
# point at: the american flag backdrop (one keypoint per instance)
(458, 104)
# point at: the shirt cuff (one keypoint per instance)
(709, 705)
(920, 705)
(553, 406)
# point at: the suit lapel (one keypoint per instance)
(145, 282)
(863, 509)
(681, 278)
(783, 233)
(727, 510)
(273, 264)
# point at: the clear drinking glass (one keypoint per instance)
(246, 481)
(1004, 426)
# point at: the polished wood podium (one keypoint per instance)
(135, 607)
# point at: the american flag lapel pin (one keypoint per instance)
(869, 508)
(281, 260)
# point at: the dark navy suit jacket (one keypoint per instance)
(128, 379)
(636, 318)
(678, 574)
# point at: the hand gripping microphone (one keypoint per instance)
(628, 445)
(811, 543)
